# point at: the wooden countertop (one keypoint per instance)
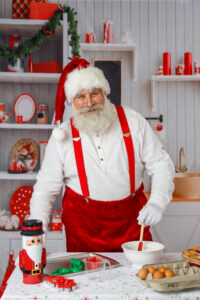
(147, 194)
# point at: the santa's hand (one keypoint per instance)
(151, 215)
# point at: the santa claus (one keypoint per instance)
(100, 155)
(32, 258)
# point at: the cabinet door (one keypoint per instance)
(54, 246)
(4, 256)
(16, 246)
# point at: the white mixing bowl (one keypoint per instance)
(150, 253)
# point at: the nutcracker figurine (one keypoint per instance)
(32, 258)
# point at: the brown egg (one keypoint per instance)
(152, 269)
(142, 273)
(162, 269)
(158, 275)
(169, 273)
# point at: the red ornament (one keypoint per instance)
(159, 127)
(62, 10)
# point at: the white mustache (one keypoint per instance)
(88, 109)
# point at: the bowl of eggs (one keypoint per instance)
(151, 252)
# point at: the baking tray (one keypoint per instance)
(186, 277)
(64, 262)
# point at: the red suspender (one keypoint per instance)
(129, 148)
(129, 145)
(80, 161)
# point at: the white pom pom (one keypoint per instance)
(59, 133)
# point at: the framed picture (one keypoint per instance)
(112, 69)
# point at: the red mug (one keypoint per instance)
(19, 119)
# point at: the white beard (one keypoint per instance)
(34, 252)
(98, 121)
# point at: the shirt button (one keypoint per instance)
(99, 147)
(101, 159)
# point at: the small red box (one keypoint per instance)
(20, 8)
(42, 10)
(47, 67)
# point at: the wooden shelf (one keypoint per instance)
(24, 27)
(114, 47)
(176, 78)
(170, 78)
(26, 126)
(29, 77)
(4, 175)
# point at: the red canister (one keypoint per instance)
(90, 36)
(167, 63)
(188, 63)
(108, 32)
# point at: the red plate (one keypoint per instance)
(25, 106)
(20, 202)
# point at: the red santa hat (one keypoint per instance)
(76, 76)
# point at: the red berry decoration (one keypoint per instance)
(159, 127)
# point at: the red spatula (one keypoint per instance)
(140, 245)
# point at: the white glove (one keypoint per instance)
(151, 215)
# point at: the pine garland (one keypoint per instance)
(26, 48)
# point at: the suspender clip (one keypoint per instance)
(127, 134)
(86, 199)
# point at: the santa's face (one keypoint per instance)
(95, 119)
(33, 246)
(24, 151)
(89, 99)
(34, 240)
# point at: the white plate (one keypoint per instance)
(25, 106)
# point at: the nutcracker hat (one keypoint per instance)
(76, 76)
(32, 227)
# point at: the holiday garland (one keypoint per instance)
(26, 48)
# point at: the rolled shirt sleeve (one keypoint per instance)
(159, 166)
(48, 185)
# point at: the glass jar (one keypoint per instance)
(42, 114)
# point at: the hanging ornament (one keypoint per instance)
(159, 127)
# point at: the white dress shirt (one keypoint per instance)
(106, 165)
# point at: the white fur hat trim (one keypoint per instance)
(85, 79)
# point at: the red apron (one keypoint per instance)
(102, 226)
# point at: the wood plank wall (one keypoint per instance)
(157, 26)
